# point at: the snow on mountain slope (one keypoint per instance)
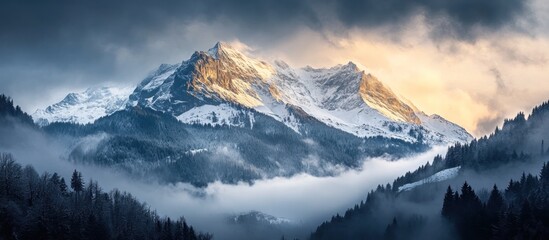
(343, 97)
(84, 107)
(437, 177)
(336, 96)
(382, 99)
(158, 77)
(220, 115)
(443, 128)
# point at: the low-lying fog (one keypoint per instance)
(304, 199)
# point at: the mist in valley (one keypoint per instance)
(303, 199)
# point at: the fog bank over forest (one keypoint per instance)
(304, 199)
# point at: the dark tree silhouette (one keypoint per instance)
(36, 206)
(495, 203)
(77, 184)
(449, 203)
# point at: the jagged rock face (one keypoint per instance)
(224, 74)
(343, 97)
(220, 75)
(339, 87)
(228, 75)
(384, 100)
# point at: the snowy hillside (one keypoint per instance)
(259, 217)
(84, 107)
(437, 177)
(217, 115)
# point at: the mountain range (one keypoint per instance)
(224, 115)
(205, 89)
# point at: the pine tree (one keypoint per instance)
(495, 202)
(544, 176)
(186, 231)
(391, 230)
(63, 186)
(167, 230)
(77, 184)
(526, 221)
(192, 234)
(494, 208)
(448, 204)
(468, 211)
(468, 196)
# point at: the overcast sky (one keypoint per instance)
(474, 62)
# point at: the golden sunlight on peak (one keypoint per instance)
(474, 84)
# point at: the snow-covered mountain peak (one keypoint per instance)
(345, 96)
(351, 66)
(214, 51)
(212, 82)
(231, 77)
(84, 107)
(222, 48)
(235, 59)
(220, 74)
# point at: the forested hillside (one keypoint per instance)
(519, 212)
(45, 206)
(145, 143)
(9, 110)
(521, 140)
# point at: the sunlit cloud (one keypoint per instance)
(454, 79)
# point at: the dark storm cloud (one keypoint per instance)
(46, 26)
(74, 42)
(67, 30)
(459, 18)
(78, 27)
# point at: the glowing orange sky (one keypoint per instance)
(475, 85)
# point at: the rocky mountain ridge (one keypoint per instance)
(212, 82)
